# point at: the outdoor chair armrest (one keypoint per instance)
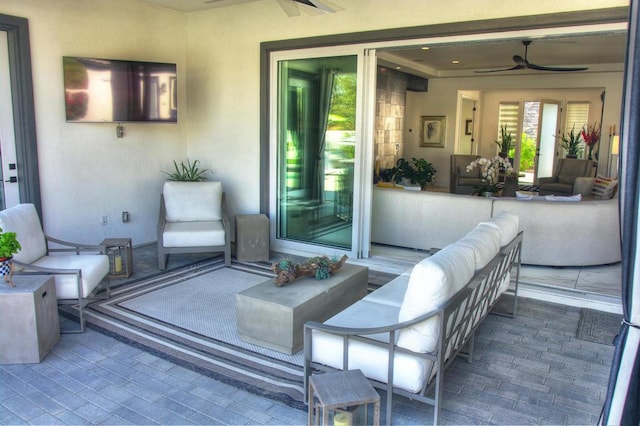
(77, 248)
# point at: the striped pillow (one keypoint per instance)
(604, 188)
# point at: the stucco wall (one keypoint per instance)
(86, 172)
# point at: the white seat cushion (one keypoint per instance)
(193, 234)
(94, 269)
(23, 220)
(409, 371)
(392, 293)
(193, 201)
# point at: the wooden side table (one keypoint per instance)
(343, 393)
(120, 255)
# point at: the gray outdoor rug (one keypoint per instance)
(189, 317)
(598, 327)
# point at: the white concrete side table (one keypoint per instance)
(342, 394)
(29, 318)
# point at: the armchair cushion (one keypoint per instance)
(193, 234)
(94, 268)
(23, 220)
(193, 201)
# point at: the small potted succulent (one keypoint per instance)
(9, 245)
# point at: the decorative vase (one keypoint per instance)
(6, 269)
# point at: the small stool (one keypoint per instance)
(252, 238)
(342, 392)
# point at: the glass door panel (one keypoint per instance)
(546, 152)
(316, 150)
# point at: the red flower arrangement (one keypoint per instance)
(591, 136)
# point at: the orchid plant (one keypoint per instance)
(490, 170)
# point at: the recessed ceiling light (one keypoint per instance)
(398, 68)
(455, 61)
(425, 48)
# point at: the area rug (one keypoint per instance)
(599, 327)
(189, 317)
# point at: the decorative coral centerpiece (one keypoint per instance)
(320, 267)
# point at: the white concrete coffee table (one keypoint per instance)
(274, 317)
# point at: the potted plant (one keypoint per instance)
(9, 245)
(423, 173)
(189, 172)
(571, 142)
(506, 141)
(418, 171)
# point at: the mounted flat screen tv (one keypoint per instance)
(108, 90)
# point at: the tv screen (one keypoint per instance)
(108, 90)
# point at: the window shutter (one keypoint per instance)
(509, 115)
(577, 115)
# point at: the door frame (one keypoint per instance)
(24, 121)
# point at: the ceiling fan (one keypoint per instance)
(291, 7)
(522, 63)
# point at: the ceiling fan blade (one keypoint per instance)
(513, 68)
(555, 69)
(290, 7)
(321, 5)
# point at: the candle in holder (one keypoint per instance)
(117, 263)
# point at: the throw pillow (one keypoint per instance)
(576, 197)
(603, 188)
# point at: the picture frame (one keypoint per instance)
(432, 131)
(468, 127)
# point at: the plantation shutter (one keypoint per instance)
(577, 115)
(509, 115)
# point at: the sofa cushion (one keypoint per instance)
(392, 293)
(506, 224)
(603, 188)
(193, 201)
(193, 234)
(23, 220)
(432, 283)
(561, 198)
(484, 240)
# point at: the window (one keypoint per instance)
(577, 115)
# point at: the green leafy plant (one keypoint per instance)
(418, 171)
(9, 244)
(571, 142)
(506, 140)
(189, 172)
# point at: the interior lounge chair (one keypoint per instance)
(563, 179)
(77, 273)
(461, 181)
(193, 219)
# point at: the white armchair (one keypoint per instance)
(77, 275)
(193, 219)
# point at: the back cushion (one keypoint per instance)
(432, 283)
(484, 240)
(23, 220)
(507, 224)
(193, 201)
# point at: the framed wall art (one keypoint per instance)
(432, 130)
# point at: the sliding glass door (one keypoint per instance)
(315, 145)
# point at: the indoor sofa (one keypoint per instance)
(578, 233)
